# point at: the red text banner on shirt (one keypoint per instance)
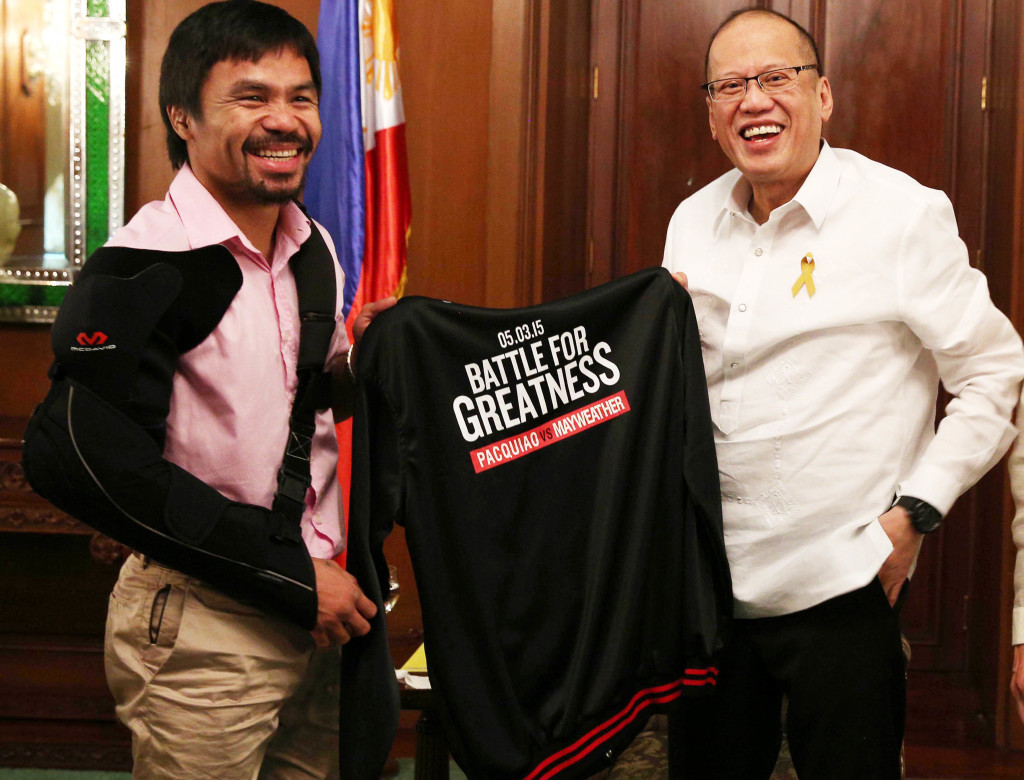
(551, 432)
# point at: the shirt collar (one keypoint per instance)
(206, 223)
(818, 189)
(738, 198)
(814, 195)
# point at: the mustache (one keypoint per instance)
(255, 145)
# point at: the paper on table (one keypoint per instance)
(417, 661)
(418, 681)
(414, 671)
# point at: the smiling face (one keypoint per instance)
(772, 139)
(257, 129)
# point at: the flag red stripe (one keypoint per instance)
(388, 216)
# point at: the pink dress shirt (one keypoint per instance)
(232, 395)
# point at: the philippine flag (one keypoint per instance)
(388, 208)
(358, 182)
(335, 191)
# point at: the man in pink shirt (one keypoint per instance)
(223, 629)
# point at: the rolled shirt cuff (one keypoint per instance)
(932, 485)
(1018, 625)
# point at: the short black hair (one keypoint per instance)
(806, 36)
(241, 30)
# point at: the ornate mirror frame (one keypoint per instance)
(94, 189)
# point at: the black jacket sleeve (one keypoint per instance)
(94, 446)
(369, 692)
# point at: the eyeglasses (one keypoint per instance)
(770, 82)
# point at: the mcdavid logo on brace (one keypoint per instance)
(94, 340)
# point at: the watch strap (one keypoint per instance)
(923, 516)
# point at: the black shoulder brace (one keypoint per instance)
(94, 446)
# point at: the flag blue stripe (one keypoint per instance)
(335, 192)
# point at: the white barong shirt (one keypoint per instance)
(824, 404)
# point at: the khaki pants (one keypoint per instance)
(212, 688)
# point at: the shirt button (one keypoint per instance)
(758, 252)
(743, 307)
(317, 520)
(734, 365)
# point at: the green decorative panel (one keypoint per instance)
(15, 294)
(94, 86)
(31, 294)
(97, 143)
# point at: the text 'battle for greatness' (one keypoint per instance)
(525, 382)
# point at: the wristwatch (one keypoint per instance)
(923, 516)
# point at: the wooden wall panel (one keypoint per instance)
(604, 124)
(511, 149)
(674, 155)
(891, 66)
(147, 170)
(879, 56)
(560, 208)
(25, 356)
(970, 132)
(666, 152)
(804, 12)
(1003, 253)
(445, 58)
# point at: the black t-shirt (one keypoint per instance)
(555, 470)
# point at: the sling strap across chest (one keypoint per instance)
(94, 446)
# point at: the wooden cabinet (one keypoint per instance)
(55, 576)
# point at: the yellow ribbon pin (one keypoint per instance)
(805, 280)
